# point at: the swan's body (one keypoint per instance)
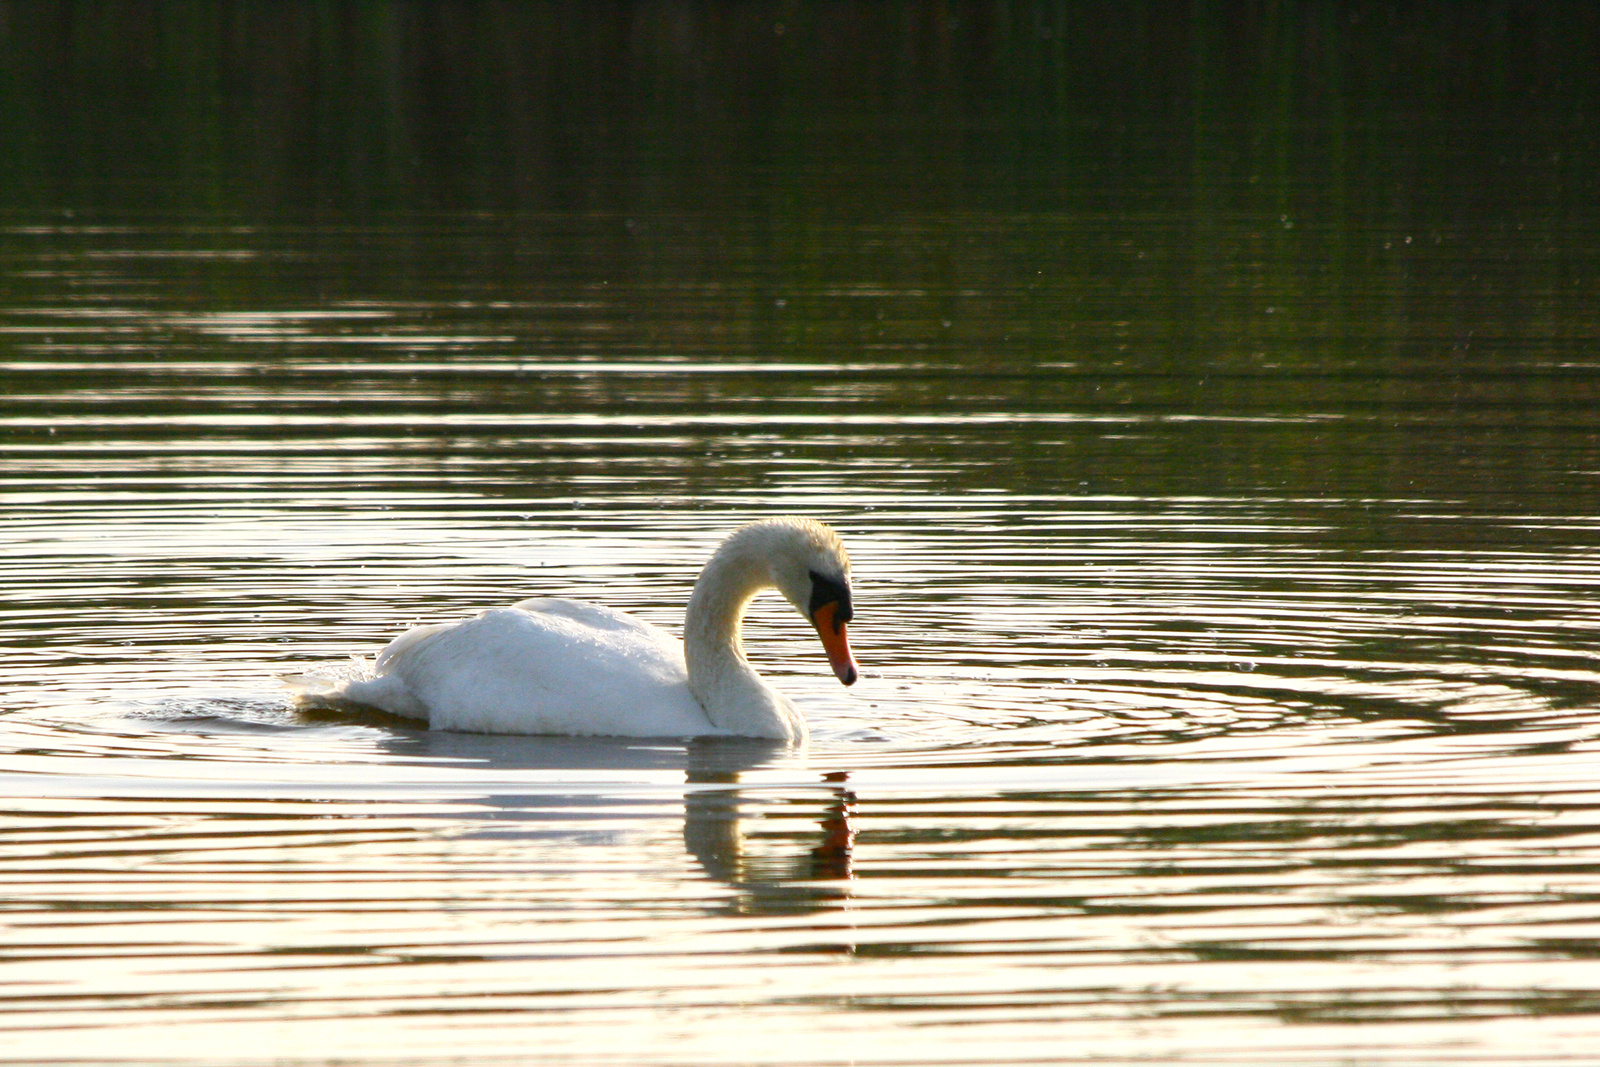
(549, 666)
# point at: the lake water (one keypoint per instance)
(1225, 575)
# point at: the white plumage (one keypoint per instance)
(553, 666)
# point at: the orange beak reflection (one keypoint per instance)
(835, 643)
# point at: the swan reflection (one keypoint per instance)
(764, 840)
(782, 842)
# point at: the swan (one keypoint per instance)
(554, 666)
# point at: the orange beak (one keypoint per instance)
(835, 643)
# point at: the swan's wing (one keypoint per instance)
(401, 645)
(596, 617)
(543, 667)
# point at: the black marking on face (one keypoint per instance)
(830, 591)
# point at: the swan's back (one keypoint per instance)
(542, 666)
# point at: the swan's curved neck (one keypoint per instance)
(720, 677)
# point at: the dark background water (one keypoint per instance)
(1387, 209)
(1209, 395)
(1369, 115)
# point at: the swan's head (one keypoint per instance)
(812, 570)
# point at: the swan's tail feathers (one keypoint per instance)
(353, 688)
(326, 687)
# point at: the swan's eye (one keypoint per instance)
(826, 590)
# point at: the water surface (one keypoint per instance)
(1217, 449)
(1214, 705)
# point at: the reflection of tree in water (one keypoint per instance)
(764, 841)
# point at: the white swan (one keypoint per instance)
(550, 666)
